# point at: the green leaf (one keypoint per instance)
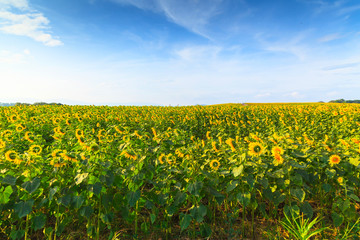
(205, 230)
(337, 219)
(180, 197)
(39, 221)
(298, 193)
(278, 198)
(330, 173)
(326, 187)
(198, 213)
(133, 197)
(185, 221)
(65, 200)
(9, 179)
(152, 218)
(52, 192)
(95, 188)
(23, 208)
(291, 211)
(195, 188)
(244, 198)
(231, 186)
(86, 211)
(264, 182)
(108, 217)
(307, 210)
(297, 180)
(77, 201)
(5, 194)
(18, 234)
(354, 197)
(237, 170)
(31, 186)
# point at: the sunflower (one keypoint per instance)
(11, 155)
(230, 143)
(57, 153)
(214, 164)
(340, 180)
(278, 159)
(170, 159)
(214, 146)
(94, 147)
(35, 149)
(161, 158)
(79, 133)
(277, 150)
(29, 136)
(20, 127)
(334, 159)
(2, 144)
(13, 118)
(256, 149)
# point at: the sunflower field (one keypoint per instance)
(224, 171)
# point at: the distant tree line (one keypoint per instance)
(344, 101)
(27, 104)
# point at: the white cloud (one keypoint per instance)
(13, 58)
(292, 45)
(21, 4)
(28, 23)
(330, 37)
(193, 15)
(193, 53)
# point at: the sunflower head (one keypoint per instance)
(256, 149)
(215, 164)
(277, 150)
(340, 180)
(20, 127)
(11, 155)
(79, 133)
(334, 159)
(278, 159)
(2, 144)
(94, 147)
(35, 149)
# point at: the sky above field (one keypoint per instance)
(179, 52)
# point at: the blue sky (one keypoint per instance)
(179, 52)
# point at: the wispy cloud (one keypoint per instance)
(292, 45)
(330, 37)
(13, 58)
(194, 53)
(190, 14)
(28, 22)
(347, 10)
(341, 66)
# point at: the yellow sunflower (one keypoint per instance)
(35, 149)
(2, 144)
(215, 164)
(29, 136)
(11, 155)
(79, 133)
(334, 159)
(256, 149)
(20, 127)
(340, 180)
(278, 159)
(277, 150)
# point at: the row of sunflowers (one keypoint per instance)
(185, 171)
